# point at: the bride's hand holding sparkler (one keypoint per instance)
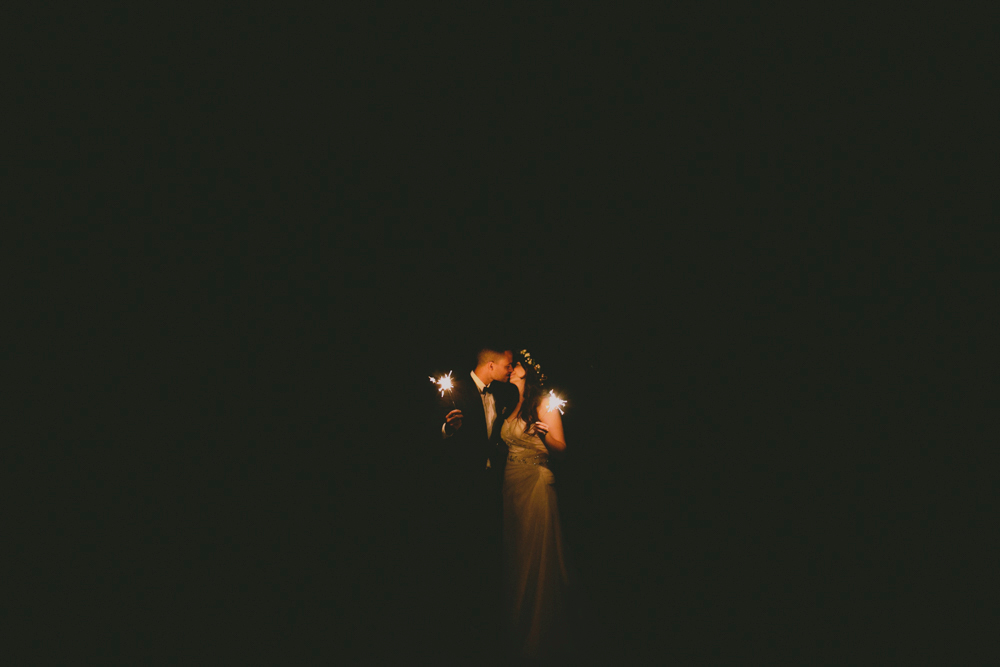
(549, 427)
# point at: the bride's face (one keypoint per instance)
(517, 377)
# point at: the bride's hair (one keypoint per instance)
(533, 391)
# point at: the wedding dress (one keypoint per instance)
(535, 567)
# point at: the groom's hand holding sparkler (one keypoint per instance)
(453, 421)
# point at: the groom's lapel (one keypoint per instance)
(503, 410)
(475, 405)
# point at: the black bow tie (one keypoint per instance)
(487, 389)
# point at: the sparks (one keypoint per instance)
(555, 402)
(443, 382)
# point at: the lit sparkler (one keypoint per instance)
(443, 383)
(555, 403)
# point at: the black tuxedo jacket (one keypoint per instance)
(472, 510)
(471, 446)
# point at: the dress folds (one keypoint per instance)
(534, 563)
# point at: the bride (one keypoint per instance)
(533, 551)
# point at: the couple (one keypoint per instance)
(499, 434)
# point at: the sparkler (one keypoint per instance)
(555, 402)
(445, 385)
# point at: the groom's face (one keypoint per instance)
(502, 368)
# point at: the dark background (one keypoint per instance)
(272, 229)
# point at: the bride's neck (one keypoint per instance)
(520, 400)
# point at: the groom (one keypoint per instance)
(471, 438)
(482, 400)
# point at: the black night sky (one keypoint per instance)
(676, 215)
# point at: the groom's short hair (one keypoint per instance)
(489, 353)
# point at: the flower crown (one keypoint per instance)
(538, 367)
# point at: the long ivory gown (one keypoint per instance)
(535, 567)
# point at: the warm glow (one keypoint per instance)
(443, 382)
(554, 402)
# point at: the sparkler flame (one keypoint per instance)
(443, 382)
(555, 402)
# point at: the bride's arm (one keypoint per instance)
(550, 428)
